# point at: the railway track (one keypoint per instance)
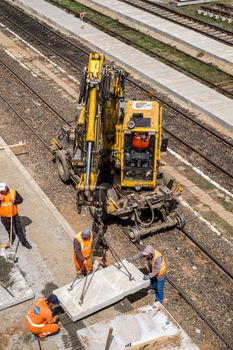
(161, 10)
(76, 57)
(223, 85)
(184, 294)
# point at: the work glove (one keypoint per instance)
(130, 260)
(146, 277)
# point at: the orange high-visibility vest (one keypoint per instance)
(163, 267)
(7, 208)
(39, 315)
(138, 143)
(86, 244)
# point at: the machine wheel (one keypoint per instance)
(62, 166)
(180, 221)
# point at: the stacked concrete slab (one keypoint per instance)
(150, 327)
(199, 96)
(107, 286)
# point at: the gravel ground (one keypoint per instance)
(202, 281)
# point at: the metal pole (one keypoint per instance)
(120, 262)
(109, 338)
(84, 291)
(88, 162)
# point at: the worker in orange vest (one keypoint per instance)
(9, 200)
(141, 140)
(83, 245)
(157, 270)
(40, 320)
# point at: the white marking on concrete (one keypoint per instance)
(206, 177)
(200, 217)
(2, 25)
(107, 286)
(75, 80)
(41, 54)
(16, 59)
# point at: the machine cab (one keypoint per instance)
(141, 140)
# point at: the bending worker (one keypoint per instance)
(9, 200)
(40, 320)
(157, 270)
(83, 246)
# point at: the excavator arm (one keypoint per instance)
(102, 87)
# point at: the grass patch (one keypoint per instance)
(202, 183)
(219, 223)
(192, 11)
(184, 63)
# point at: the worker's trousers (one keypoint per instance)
(17, 228)
(158, 286)
(79, 265)
(42, 332)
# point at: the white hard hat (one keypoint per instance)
(2, 186)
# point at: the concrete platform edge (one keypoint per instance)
(39, 191)
(95, 47)
(162, 33)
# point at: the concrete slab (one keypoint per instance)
(14, 289)
(150, 327)
(107, 286)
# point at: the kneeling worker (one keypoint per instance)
(157, 270)
(40, 320)
(83, 245)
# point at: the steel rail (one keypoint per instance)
(153, 54)
(219, 167)
(168, 105)
(172, 283)
(27, 124)
(208, 253)
(200, 313)
(23, 82)
(173, 108)
(184, 16)
(196, 308)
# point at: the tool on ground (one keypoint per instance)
(11, 228)
(109, 339)
(119, 262)
(8, 291)
(12, 256)
(40, 347)
(84, 290)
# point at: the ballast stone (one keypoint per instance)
(107, 286)
(150, 327)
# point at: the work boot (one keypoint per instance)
(27, 245)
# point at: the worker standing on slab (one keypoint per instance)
(157, 270)
(83, 246)
(40, 320)
(9, 200)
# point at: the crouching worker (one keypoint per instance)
(157, 270)
(83, 246)
(40, 320)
